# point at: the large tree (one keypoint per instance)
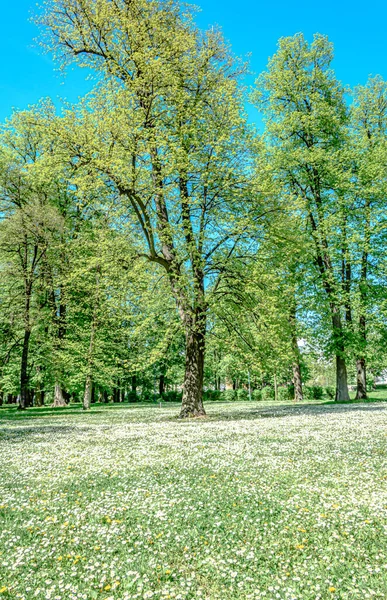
(306, 118)
(166, 131)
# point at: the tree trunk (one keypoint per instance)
(162, 384)
(59, 399)
(39, 397)
(134, 383)
(361, 391)
(192, 402)
(1, 398)
(24, 399)
(342, 394)
(297, 382)
(88, 392)
(297, 379)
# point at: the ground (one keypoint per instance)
(256, 501)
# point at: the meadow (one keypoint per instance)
(273, 501)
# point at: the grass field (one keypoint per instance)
(256, 501)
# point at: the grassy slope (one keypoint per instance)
(256, 501)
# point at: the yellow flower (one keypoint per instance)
(107, 587)
(3, 589)
(167, 571)
(332, 589)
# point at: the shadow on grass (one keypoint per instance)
(241, 411)
(285, 410)
(16, 434)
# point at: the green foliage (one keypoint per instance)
(313, 392)
(257, 395)
(230, 395)
(284, 393)
(242, 395)
(267, 393)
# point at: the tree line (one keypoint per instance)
(151, 236)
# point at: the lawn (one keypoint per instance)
(256, 501)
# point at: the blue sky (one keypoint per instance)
(358, 31)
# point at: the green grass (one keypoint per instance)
(256, 501)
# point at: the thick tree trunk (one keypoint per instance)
(361, 388)
(59, 399)
(192, 402)
(134, 383)
(24, 398)
(88, 393)
(342, 394)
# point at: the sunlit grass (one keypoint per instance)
(257, 501)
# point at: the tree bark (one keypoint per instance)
(361, 388)
(342, 394)
(162, 384)
(59, 399)
(88, 392)
(24, 399)
(134, 383)
(192, 402)
(297, 382)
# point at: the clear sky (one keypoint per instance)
(357, 29)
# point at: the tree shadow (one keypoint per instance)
(286, 410)
(20, 433)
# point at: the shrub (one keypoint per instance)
(267, 393)
(132, 396)
(243, 395)
(257, 395)
(313, 392)
(147, 396)
(172, 396)
(229, 395)
(283, 393)
(330, 392)
(370, 383)
(212, 395)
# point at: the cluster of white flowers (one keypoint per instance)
(254, 502)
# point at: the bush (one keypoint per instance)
(330, 392)
(283, 393)
(132, 396)
(267, 393)
(147, 396)
(172, 396)
(313, 392)
(370, 383)
(212, 395)
(257, 395)
(243, 395)
(229, 395)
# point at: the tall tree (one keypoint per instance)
(306, 118)
(368, 128)
(167, 133)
